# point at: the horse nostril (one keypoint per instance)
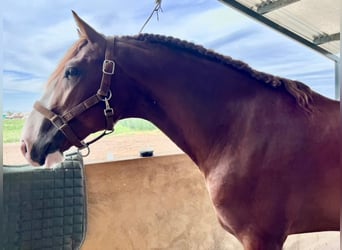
(23, 147)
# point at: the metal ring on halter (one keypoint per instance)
(104, 99)
(86, 146)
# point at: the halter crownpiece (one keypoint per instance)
(104, 94)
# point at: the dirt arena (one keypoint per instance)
(155, 203)
(112, 147)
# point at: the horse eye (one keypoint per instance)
(72, 72)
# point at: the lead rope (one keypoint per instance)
(156, 10)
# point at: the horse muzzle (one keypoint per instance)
(39, 157)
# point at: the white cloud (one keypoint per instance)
(200, 27)
(38, 33)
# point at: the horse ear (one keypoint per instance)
(86, 30)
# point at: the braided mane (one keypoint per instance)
(298, 90)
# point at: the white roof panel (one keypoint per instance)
(315, 23)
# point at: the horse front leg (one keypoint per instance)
(253, 234)
(256, 241)
(252, 242)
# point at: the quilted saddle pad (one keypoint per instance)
(44, 208)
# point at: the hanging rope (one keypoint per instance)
(156, 10)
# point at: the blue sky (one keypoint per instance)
(37, 33)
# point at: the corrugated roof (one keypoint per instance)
(315, 23)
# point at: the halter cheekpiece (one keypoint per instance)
(103, 94)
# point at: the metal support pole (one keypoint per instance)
(268, 6)
(337, 80)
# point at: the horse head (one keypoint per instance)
(76, 101)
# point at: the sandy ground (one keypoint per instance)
(112, 147)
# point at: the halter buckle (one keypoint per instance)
(106, 64)
(57, 121)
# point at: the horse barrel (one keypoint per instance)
(44, 208)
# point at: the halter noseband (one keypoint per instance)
(103, 94)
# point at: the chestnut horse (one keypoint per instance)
(268, 147)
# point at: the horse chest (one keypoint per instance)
(243, 198)
(229, 188)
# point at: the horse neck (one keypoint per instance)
(191, 100)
